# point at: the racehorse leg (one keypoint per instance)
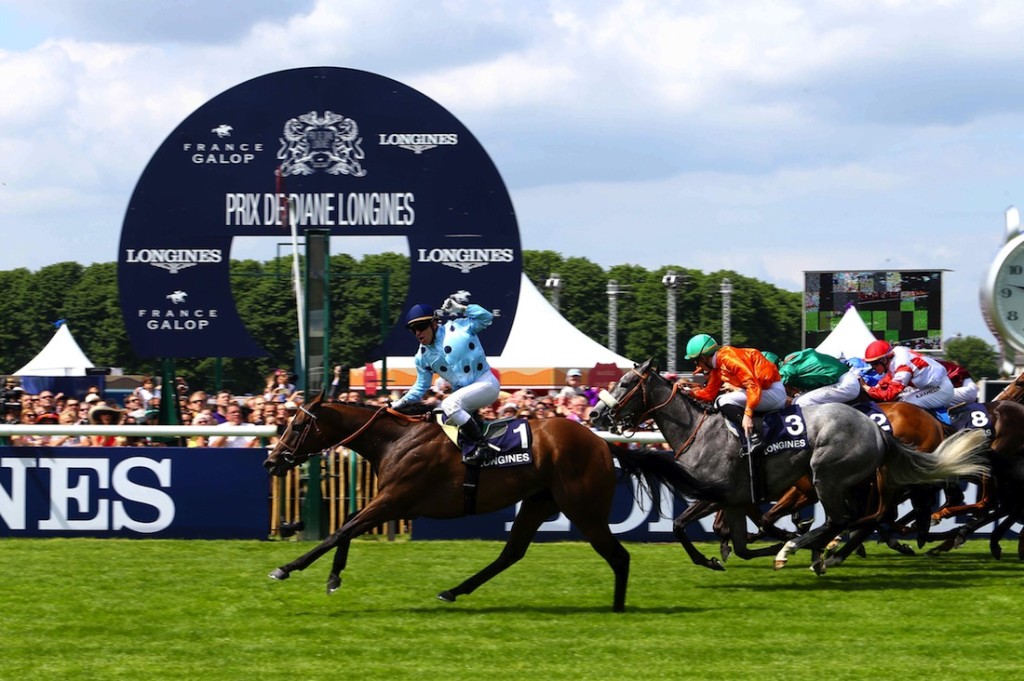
(696, 511)
(956, 537)
(736, 517)
(997, 535)
(532, 513)
(608, 547)
(369, 517)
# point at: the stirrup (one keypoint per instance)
(476, 455)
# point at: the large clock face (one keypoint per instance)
(1003, 294)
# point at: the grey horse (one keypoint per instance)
(842, 448)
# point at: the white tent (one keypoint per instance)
(850, 337)
(542, 345)
(60, 357)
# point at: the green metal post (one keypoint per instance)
(317, 280)
(385, 278)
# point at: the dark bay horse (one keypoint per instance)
(1001, 493)
(420, 473)
(842, 449)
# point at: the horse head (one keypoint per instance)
(301, 439)
(627, 404)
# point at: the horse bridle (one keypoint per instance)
(289, 454)
(641, 385)
(617, 405)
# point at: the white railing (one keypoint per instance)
(643, 437)
(136, 431)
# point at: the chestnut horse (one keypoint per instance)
(420, 473)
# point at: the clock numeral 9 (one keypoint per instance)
(1005, 292)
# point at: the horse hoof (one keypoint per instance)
(446, 596)
(903, 549)
(997, 552)
(715, 564)
(333, 584)
(819, 568)
(779, 564)
(278, 574)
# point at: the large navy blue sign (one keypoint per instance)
(327, 148)
(133, 492)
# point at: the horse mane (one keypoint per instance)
(706, 407)
(414, 409)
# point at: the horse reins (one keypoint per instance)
(312, 423)
(384, 409)
(642, 386)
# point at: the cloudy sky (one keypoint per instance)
(767, 137)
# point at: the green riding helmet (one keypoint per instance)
(700, 345)
(772, 357)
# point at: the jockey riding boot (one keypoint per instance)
(753, 449)
(755, 457)
(471, 431)
(734, 413)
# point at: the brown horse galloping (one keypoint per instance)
(420, 473)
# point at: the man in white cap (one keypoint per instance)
(573, 384)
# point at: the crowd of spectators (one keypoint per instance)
(275, 405)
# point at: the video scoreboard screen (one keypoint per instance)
(901, 306)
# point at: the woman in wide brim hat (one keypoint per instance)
(105, 415)
(100, 410)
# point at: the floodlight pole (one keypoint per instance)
(613, 291)
(726, 291)
(671, 282)
(554, 282)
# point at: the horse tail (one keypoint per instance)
(960, 456)
(654, 466)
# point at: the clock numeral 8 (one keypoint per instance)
(1011, 316)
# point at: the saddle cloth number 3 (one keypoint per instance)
(794, 424)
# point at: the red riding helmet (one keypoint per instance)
(876, 351)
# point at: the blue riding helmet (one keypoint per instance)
(419, 313)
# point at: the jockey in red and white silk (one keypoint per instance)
(909, 377)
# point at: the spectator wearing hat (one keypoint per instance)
(86, 406)
(574, 387)
(103, 414)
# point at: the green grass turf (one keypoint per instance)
(152, 609)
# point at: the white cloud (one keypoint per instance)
(763, 137)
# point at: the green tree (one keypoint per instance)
(973, 354)
(88, 299)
